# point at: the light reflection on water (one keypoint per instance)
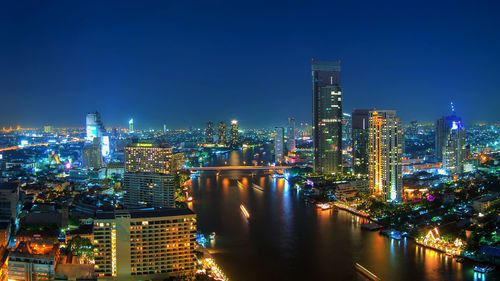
(285, 239)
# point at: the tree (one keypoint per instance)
(81, 247)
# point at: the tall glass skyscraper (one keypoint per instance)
(327, 117)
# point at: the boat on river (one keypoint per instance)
(257, 187)
(484, 268)
(244, 211)
(366, 272)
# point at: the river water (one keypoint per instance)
(285, 239)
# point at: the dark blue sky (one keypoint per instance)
(182, 63)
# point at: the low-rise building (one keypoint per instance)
(32, 261)
(484, 203)
(148, 244)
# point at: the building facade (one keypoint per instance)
(234, 138)
(145, 244)
(291, 132)
(327, 117)
(450, 143)
(360, 132)
(221, 129)
(9, 201)
(148, 189)
(94, 126)
(147, 158)
(385, 152)
(149, 176)
(209, 132)
(279, 139)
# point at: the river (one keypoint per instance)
(285, 239)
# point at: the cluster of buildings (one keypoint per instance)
(132, 229)
(221, 136)
(376, 137)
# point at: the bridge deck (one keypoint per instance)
(238, 168)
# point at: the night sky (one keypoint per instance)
(183, 63)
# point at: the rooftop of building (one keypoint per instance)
(8, 185)
(146, 213)
(489, 198)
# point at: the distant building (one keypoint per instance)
(234, 140)
(131, 125)
(290, 135)
(222, 132)
(385, 152)
(209, 132)
(327, 117)
(278, 144)
(145, 244)
(450, 143)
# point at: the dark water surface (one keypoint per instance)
(285, 239)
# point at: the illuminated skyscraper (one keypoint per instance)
(222, 132)
(360, 131)
(94, 126)
(144, 244)
(209, 132)
(234, 134)
(450, 143)
(131, 125)
(385, 151)
(327, 117)
(290, 135)
(279, 139)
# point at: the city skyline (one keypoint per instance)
(412, 62)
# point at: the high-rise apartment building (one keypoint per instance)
(279, 139)
(148, 190)
(147, 158)
(9, 201)
(385, 152)
(92, 154)
(234, 140)
(149, 176)
(222, 132)
(360, 132)
(327, 117)
(150, 244)
(450, 143)
(291, 132)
